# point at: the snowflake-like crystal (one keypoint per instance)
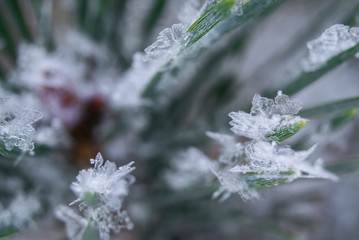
(263, 161)
(332, 42)
(266, 117)
(105, 180)
(16, 128)
(101, 191)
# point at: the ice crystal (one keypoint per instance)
(267, 117)
(333, 41)
(20, 211)
(16, 128)
(264, 157)
(145, 65)
(101, 191)
(105, 180)
(232, 183)
(231, 150)
(109, 219)
(187, 169)
(263, 161)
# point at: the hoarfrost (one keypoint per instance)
(187, 169)
(264, 157)
(105, 180)
(101, 191)
(16, 125)
(157, 57)
(266, 116)
(109, 218)
(232, 183)
(333, 41)
(231, 150)
(262, 161)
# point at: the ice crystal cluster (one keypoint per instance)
(267, 118)
(334, 40)
(101, 191)
(157, 57)
(16, 128)
(263, 161)
(172, 47)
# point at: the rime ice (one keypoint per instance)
(333, 41)
(16, 125)
(232, 183)
(101, 191)
(231, 150)
(266, 117)
(272, 160)
(145, 65)
(105, 180)
(263, 161)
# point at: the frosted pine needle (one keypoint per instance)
(101, 191)
(267, 117)
(263, 161)
(333, 41)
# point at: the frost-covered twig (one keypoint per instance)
(263, 161)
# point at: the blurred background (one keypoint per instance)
(70, 60)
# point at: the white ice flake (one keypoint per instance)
(105, 180)
(266, 117)
(231, 150)
(16, 128)
(101, 191)
(333, 41)
(272, 159)
(232, 183)
(145, 65)
(263, 161)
